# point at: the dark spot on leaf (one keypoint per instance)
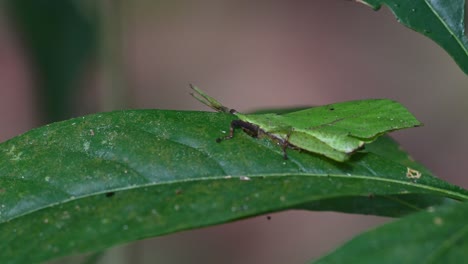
(371, 195)
(178, 191)
(331, 108)
(110, 194)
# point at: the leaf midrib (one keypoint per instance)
(447, 193)
(457, 39)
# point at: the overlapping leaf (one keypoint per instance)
(437, 236)
(441, 20)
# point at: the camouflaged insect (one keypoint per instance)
(335, 131)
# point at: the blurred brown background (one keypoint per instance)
(248, 54)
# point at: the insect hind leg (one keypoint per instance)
(285, 144)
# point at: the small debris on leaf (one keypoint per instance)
(412, 173)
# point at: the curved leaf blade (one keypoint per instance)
(442, 21)
(92, 182)
(437, 236)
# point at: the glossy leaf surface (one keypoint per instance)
(437, 236)
(89, 183)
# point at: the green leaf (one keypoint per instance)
(61, 40)
(437, 236)
(440, 20)
(92, 182)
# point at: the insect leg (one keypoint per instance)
(250, 128)
(285, 145)
(233, 126)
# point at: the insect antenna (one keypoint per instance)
(209, 101)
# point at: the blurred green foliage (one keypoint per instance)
(60, 40)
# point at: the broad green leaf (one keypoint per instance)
(437, 236)
(441, 20)
(89, 183)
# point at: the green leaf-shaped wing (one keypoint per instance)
(336, 130)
